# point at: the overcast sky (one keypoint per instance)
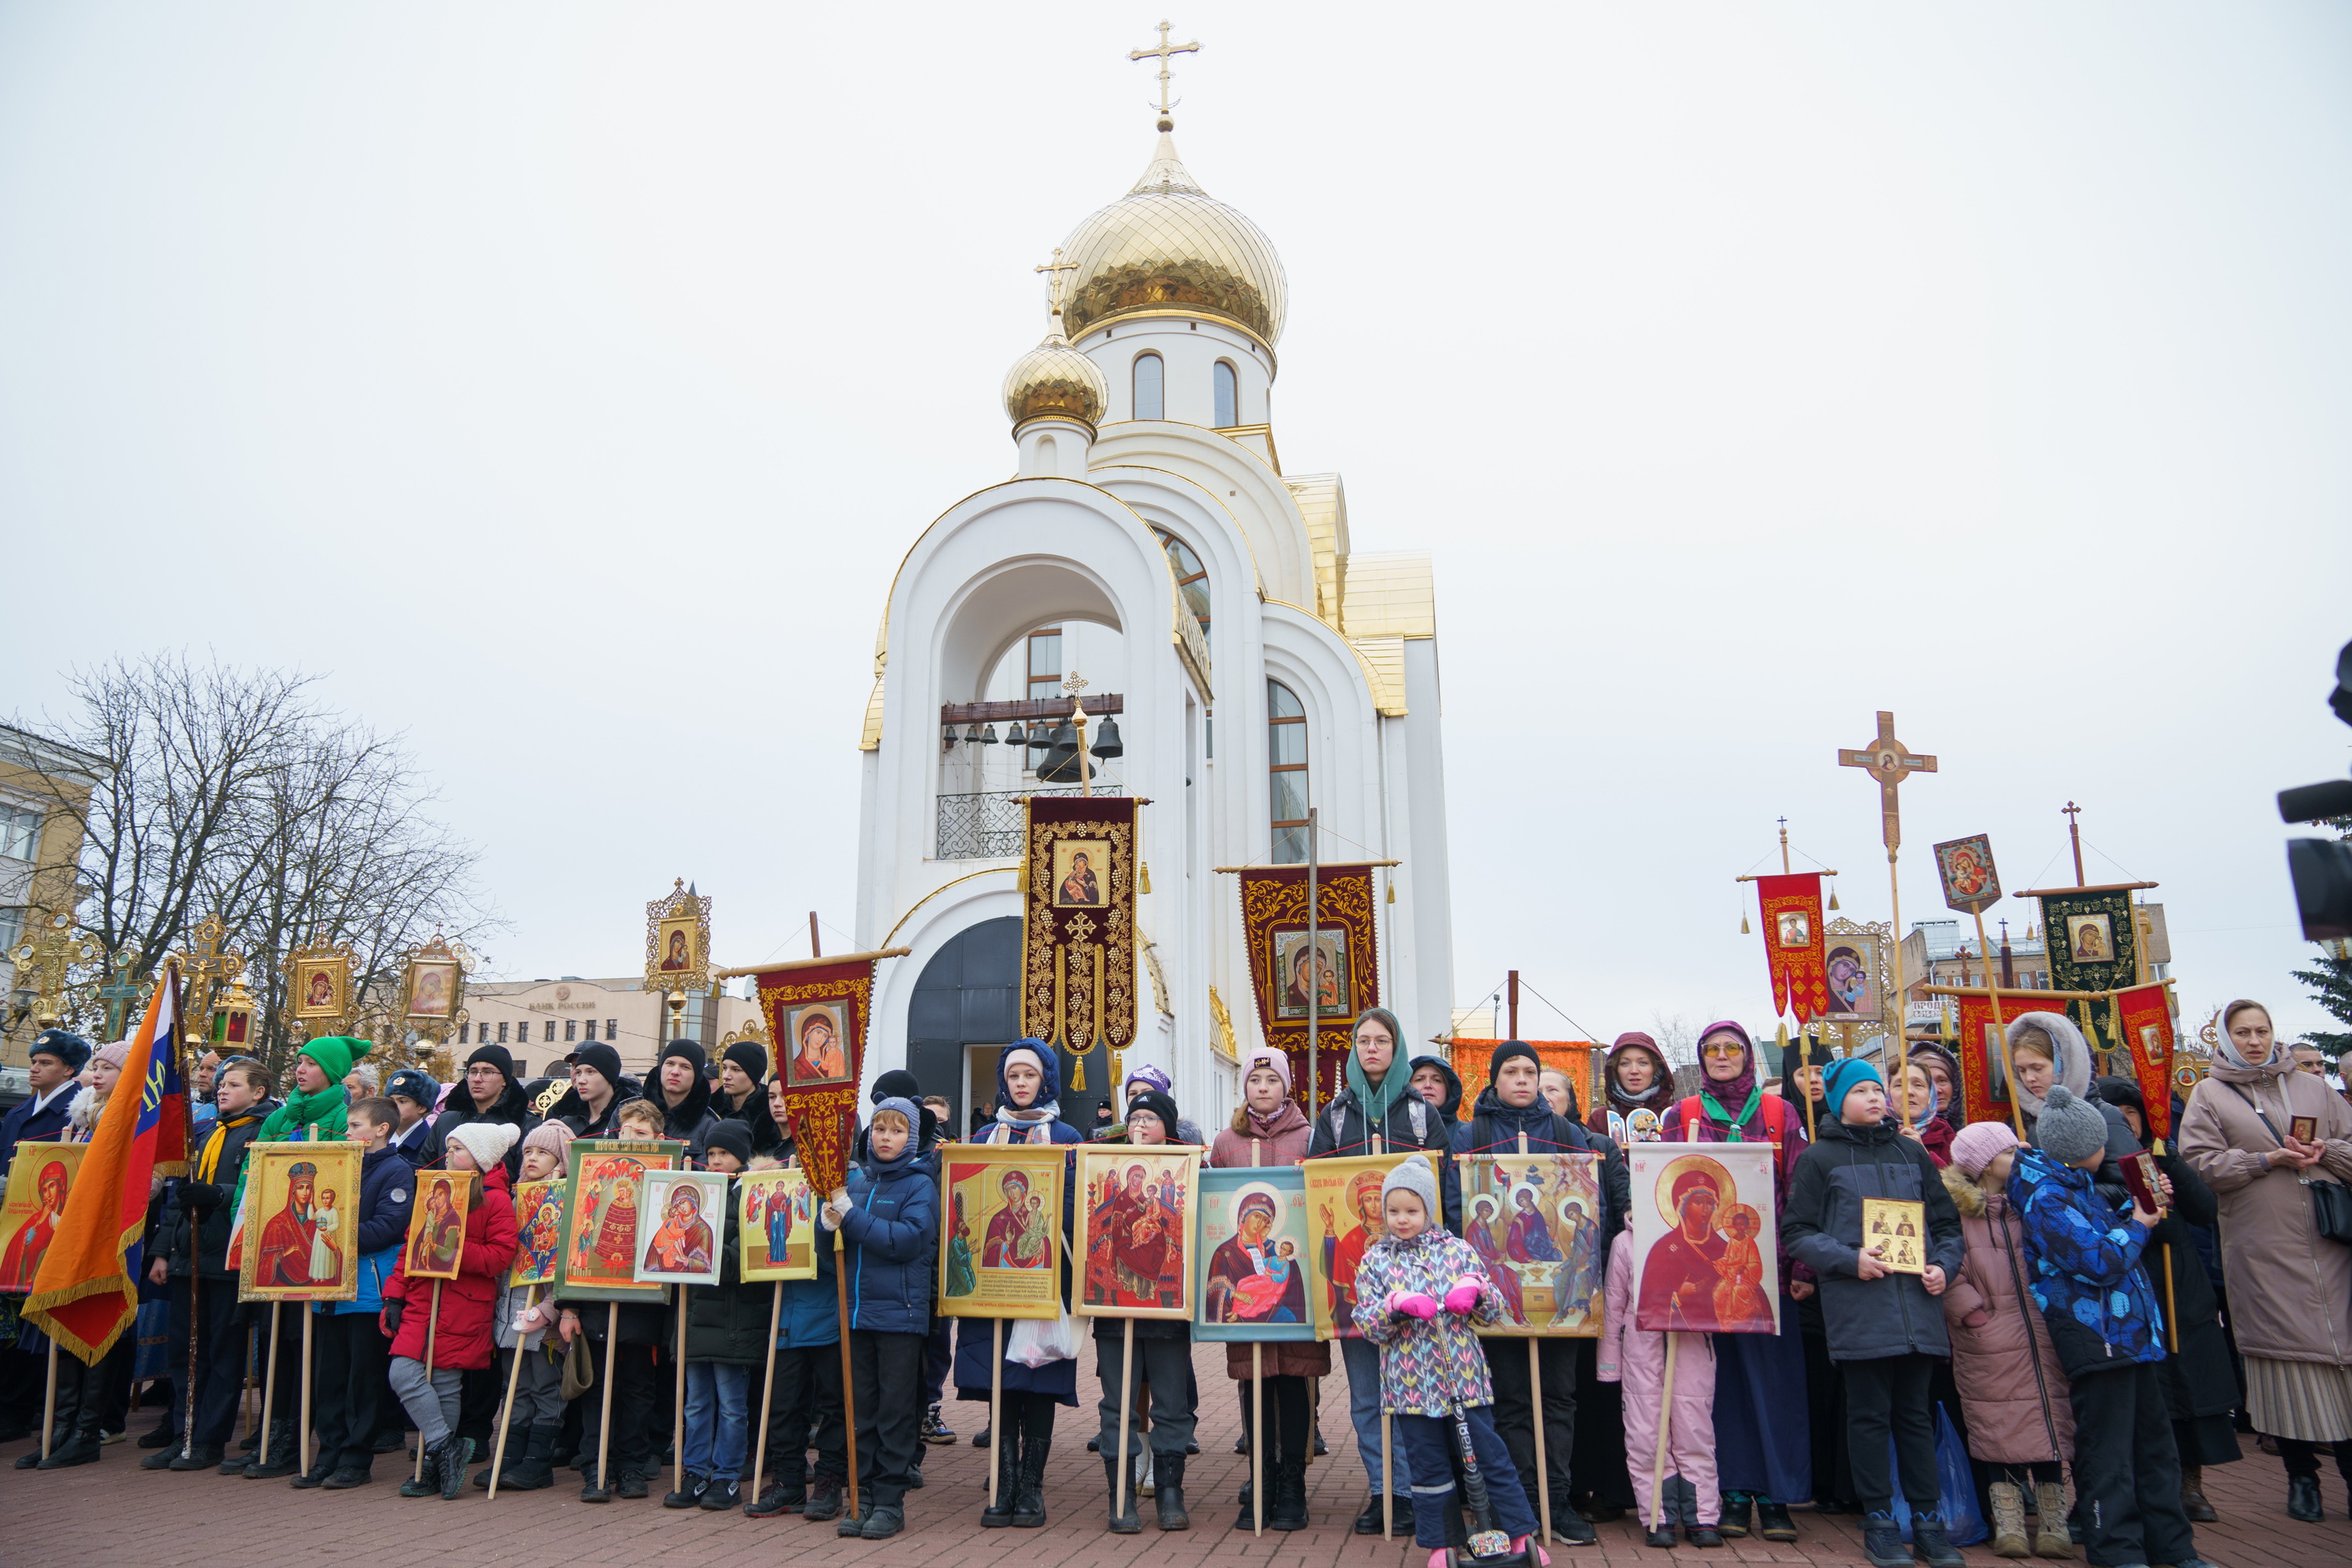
(565, 382)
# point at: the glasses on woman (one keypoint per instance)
(1729, 1048)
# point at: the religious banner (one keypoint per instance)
(2143, 1014)
(678, 941)
(1573, 1058)
(538, 1232)
(39, 1178)
(298, 1245)
(434, 985)
(1965, 865)
(599, 1258)
(1792, 907)
(1253, 1247)
(1001, 1242)
(1854, 962)
(2093, 945)
(1134, 1236)
(1077, 929)
(1704, 1238)
(1343, 1218)
(436, 1223)
(681, 1215)
(816, 1015)
(1535, 1221)
(1339, 968)
(1984, 1072)
(777, 1226)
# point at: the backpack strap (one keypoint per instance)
(1693, 1113)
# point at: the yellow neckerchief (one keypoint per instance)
(208, 1163)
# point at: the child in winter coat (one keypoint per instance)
(888, 1215)
(1636, 1359)
(2109, 1334)
(805, 1394)
(349, 1357)
(726, 1340)
(2020, 1421)
(1885, 1330)
(528, 1463)
(1418, 1290)
(461, 1335)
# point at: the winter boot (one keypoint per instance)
(323, 1465)
(1772, 1521)
(1123, 1520)
(1286, 1484)
(687, 1496)
(451, 1465)
(1169, 1500)
(1930, 1545)
(2008, 1520)
(1737, 1515)
(1036, 1449)
(1882, 1541)
(2193, 1495)
(1006, 1457)
(285, 1452)
(426, 1483)
(2050, 1536)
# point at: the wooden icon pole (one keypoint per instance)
(604, 1418)
(1665, 1415)
(996, 1413)
(1999, 1031)
(303, 1436)
(49, 1402)
(677, 1422)
(432, 1328)
(848, 1384)
(514, 1375)
(1257, 1436)
(768, 1386)
(1126, 1405)
(269, 1384)
(1542, 1483)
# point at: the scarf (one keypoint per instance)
(1377, 1102)
(2231, 1068)
(2073, 1061)
(326, 1114)
(1286, 1118)
(208, 1161)
(1662, 1081)
(1715, 1093)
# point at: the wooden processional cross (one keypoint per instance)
(1890, 761)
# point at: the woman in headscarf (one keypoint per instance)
(1641, 1086)
(1377, 1112)
(2258, 1130)
(1764, 1444)
(1028, 1111)
(1944, 1077)
(1270, 1130)
(2200, 1380)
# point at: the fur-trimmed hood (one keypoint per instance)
(1968, 1197)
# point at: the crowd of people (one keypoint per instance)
(2094, 1346)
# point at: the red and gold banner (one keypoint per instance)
(1793, 943)
(1983, 1079)
(816, 1015)
(1573, 1058)
(1077, 929)
(1340, 968)
(2143, 1017)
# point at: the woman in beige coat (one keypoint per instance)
(2021, 1418)
(2290, 1289)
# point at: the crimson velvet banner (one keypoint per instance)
(1339, 970)
(1791, 907)
(2144, 1015)
(1077, 930)
(816, 1015)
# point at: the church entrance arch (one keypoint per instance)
(964, 1011)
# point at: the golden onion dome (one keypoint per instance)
(1055, 379)
(1166, 246)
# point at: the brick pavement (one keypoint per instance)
(113, 1513)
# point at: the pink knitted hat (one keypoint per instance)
(1979, 1144)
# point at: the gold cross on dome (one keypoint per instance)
(1163, 52)
(1889, 761)
(1054, 271)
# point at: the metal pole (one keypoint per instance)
(1314, 974)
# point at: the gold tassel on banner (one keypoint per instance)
(1743, 922)
(1143, 878)
(1834, 903)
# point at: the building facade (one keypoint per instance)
(1151, 541)
(45, 787)
(540, 1022)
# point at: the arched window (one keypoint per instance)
(1192, 577)
(1287, 769)
(1228, 397)
(1149, 404)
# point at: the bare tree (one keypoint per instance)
(237, 792)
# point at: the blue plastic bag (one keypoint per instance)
(1956, 1487)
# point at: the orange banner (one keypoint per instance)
(2143, 1017)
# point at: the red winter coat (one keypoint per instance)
(464, 1338)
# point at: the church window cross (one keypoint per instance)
(1163, 54)
(1890, 761)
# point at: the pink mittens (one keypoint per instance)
(1413, 1304)
(1463, 1297)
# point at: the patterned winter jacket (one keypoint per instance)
(2094, 1295)
(1426, 1365)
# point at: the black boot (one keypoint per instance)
(1123, 1520)
(1036, 1447)
(1006, 1457)
(1736, 1506)
(1168, 1499)
(2302, 1498)
(285, 1452)
(535, 1471)
(451, 1465)
(323, 1465)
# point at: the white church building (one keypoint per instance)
(1149, 542)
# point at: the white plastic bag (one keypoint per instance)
(1035, 1342)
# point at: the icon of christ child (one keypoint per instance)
(1679, 1278)
(322, 990)
(543, 1235)
(681, 1243)
(285, 1257)
(1079, 886)
(1134, 1255)
(676, 956)
(1738, 1295)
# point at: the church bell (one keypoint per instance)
(1106, 743)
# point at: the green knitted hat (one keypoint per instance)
(336, 1053)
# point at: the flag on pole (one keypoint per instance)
(87, 1293)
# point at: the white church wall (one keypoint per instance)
(1424, 885)
(1188, 349)
(1229, 473)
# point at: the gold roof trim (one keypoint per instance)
(1222, 1042)
(1256, 440)
(1167, 244)
(1383, 658)
(1323, 502)
(870, 738)
(1389, 593)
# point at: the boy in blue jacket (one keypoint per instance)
(889, 1217)
(349, 1352)
(2109, 1336)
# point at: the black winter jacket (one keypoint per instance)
(728, 1323)
(1821, 1228)
(200, 1215)
(512, 1108)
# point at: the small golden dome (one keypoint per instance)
(1166, 245)
(1055, 379)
